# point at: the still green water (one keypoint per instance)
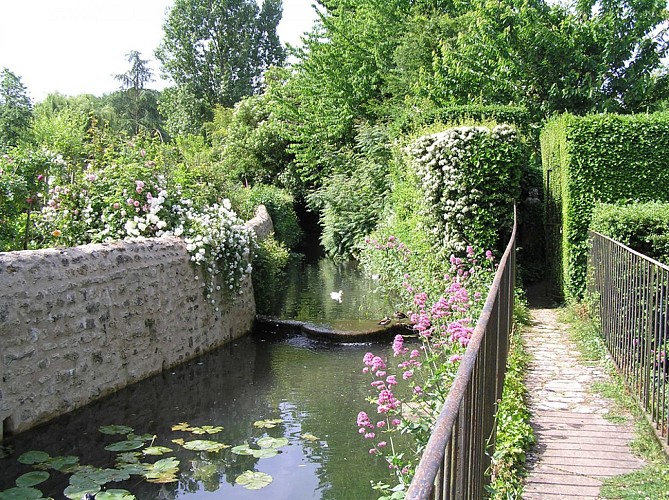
(316, 389)
(306, 295)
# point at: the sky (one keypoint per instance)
(76, 46)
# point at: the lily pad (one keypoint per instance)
(131, 444)
(115, 495)
(269, 423)
(163, 471)
(136, 469)
(99, 476)
(21, 493)
(63, 463)
(265, 453)
(32, 478)
(141, 437)
(309, 437)
(242, 449)
(129, 457)
(33, 457)
(253, 480)
(206, 429)
(115, 429)
(79, 489)
(204, 445)
(181, 426)
(245, 449)
(156, 450)
(178, 441)
(270, 442)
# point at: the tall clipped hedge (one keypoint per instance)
(591, 159)
(470, 178)
(643, 227)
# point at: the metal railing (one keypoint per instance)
(457, 455)
(631, 291)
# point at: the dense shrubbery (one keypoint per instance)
(643, 227)
(470, 177)
(280, 206)
(269, 261)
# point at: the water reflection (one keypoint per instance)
(307, 295)
(316, 388)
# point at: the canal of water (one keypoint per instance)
(313, 391)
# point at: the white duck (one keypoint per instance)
(336, 295)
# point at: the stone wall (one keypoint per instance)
(79, 323)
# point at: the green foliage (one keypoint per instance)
(24, 176)
(351, 200)
(514, 433)
(15, 110)
(465, 114)
(592, 159)
(250, 142)
(215, 52)
(64, 129)
(470, 177)
(643, 227)
(280, 206)
(269, 261)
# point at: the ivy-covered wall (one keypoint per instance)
(598, 158)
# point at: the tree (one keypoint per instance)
(216, 52)
(136, 106)
(15, 110)
(548, 57)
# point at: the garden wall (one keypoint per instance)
(79, 323)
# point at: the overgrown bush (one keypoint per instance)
(470, 178)
(643, 227)
(280, 206)
(598, 158)
(351, 200)
(269, 262)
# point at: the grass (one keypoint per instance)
(652, 481)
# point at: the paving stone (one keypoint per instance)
(576, 447)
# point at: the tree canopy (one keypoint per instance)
(215, 52)
(15, 109)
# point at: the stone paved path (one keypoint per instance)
(576, 447)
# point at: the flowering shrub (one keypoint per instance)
(470, 177)
(130, 197)
(409, 391)
(219, 242)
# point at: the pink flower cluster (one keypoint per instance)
(444, 327)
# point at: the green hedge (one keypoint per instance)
(592, 159)
(643, 227)
(517, 116)
(280, 206)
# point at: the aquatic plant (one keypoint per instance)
(133, 455)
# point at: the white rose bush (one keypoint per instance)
(124, 202)
(470, 177)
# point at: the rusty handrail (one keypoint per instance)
(456, 458)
